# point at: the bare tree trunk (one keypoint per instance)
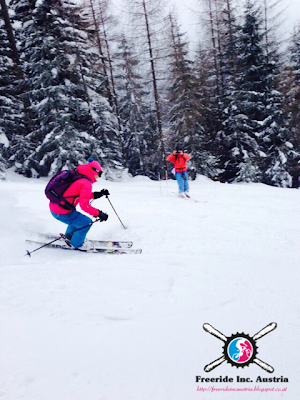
(109, 59)
(108, 73)
(213, 38)
(16, 59)
(10, 34)
(113, 88)
(154, 82)
(103, 59)
(231, 39)
(220, 55)
(82, 78)
(229, 19)
(266, 28)
(172, 25)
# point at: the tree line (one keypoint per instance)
(75, 83)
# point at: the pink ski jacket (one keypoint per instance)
(82, 189)
(179, 161)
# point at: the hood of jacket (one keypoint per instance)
(86, 169)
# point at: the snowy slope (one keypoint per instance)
(76, 326)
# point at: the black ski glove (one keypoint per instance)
(103, 192)
(102, 216)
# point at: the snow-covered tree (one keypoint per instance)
(104, 119)
(103, 24)
(148, 28)
(215, 69)
(242, 100)
(60, 70)
(292, 86)
(12, 113)
(291, 89)
(4, 144)
(184, 101)
(132, 107)
(255, 135)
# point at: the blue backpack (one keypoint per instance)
(58, 184)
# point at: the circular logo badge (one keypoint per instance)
(240, 350)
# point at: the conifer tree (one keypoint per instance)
(132, 106)
(104, 121)
(4, 144)
(212, 24)
(10, 106)
(212, 69)
(229, 43)
(292, 87)
(2, 166)
(185, 108)
(240, 150)
(149, 28)
(13, 118)
(102, 22)
(59, 132)
(276, 136)
(255, 136)
(69, 126)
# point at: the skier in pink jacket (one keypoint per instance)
(80, 192)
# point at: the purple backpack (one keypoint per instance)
(58, 184)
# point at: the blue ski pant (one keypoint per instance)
(75, 220)
(182, 180)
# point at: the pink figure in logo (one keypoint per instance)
(245, 350)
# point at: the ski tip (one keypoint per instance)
(28, 253)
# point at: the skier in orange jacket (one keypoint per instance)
(179, 158)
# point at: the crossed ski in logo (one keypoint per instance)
(239, 337)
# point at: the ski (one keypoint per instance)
(95, 250)
(97, 243)
(189, 198)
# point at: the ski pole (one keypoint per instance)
(28, 253)
(116, 213)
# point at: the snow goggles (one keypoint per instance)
(99, 171)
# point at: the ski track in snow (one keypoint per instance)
(77, 326)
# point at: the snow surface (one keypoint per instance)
(76, 326)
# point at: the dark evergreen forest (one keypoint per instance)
(75, 82)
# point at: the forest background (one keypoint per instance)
(78, 79)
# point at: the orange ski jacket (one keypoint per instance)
(179, 161)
